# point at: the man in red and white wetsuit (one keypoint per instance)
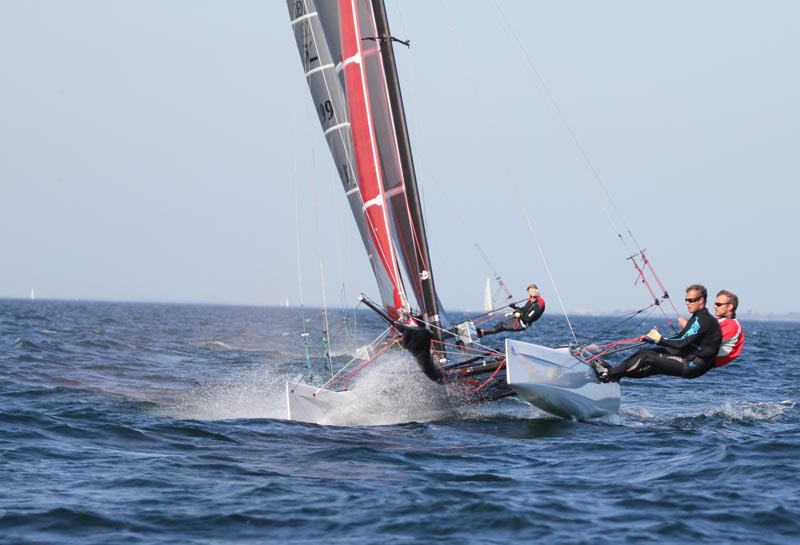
(732, 333)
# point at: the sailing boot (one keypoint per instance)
(601, 369)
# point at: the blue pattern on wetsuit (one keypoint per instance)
(691, 331)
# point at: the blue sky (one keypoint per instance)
(168, 151)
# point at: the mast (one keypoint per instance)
(429, 302)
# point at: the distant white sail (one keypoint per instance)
(487, 297)
(33, 294)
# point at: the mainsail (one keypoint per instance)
(347, 55)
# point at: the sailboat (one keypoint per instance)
(347, 52)
(488, 304)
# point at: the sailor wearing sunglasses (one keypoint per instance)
(689, 354)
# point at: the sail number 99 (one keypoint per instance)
(326, 110)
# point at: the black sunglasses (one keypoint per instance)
(692, 299)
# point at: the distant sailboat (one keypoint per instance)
(33, 294)
(487, 297)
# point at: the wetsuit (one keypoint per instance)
(732, 341)
(688, 354)
(532, 311)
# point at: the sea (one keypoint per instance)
(166, 424)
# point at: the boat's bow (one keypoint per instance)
(555, 381)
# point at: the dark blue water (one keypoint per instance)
(133, 423)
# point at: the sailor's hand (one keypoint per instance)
(514, 306)
(517, 315)
(654, 336)
(682, 322)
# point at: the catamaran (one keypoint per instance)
(347, 53)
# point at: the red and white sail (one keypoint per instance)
(344, 47)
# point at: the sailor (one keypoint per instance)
(689, 354)
(522, 317)
(732, 333)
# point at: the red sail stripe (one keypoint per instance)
(365, 149)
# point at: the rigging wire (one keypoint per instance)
(616, 326)
(315, 200)
(497, 277)
(550, 274)
(326, 352)
(349, 333)
(381, 339)
(295, 184)
(653, 271)
(505, 163)
(503, 160)
(532, 70)
(656, 300)
(304, 333)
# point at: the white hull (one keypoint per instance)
(553, 380)
(315, 405)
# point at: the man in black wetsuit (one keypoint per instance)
(688, 354)
(522, 317)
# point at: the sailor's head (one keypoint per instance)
(695, 297)
(726, 304)
(533, 290)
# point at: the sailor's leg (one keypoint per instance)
(512, 324)
(635, 366)
(616, 372)
(643, 370)
(696, 368)
(662, 364)
(506, 325)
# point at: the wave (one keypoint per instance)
(63, 519)
(753, 411)
(106, 344)
(735, 412)
(216, 345)
(24, 344)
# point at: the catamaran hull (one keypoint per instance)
(315, 405)
(555, 381)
